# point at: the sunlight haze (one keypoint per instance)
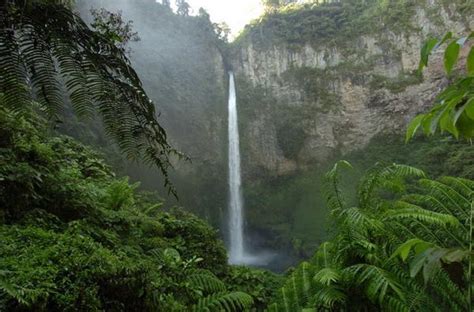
(236, 13)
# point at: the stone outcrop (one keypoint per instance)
(339, 99)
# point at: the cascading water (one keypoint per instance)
(236, 223)
(238, 254)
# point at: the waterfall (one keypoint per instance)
(236, 222)
(238, 254)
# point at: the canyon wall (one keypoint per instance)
(303, 103)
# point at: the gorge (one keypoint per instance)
(322, 160)
(305, 100)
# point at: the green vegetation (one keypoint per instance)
(363, 267)
(39, 58)
(75, 237)
(331, 22)
(290, 211)
(407, 242)
(395, 85)
(334, 21)
(454, 108)
(317, 85)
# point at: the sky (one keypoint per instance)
(236, 13)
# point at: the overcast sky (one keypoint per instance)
(236, 13)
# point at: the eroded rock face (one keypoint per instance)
(340, 99)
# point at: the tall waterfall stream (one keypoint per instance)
(238, 253)
(236, 214)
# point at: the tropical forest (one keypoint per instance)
(237, 155)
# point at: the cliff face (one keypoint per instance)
(301, 104)
(182, 70)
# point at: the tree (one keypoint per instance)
(166, 3)
(114, 27)
(222, 30)
(183, 7)
(45, 48)
(271, 5)
(204, 14)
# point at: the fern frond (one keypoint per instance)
(429, 202)
(229, 302)
(328, 297)
(327, 276)
(44, 42)
(380, 175)
(331, 190)
(359, 219)
(378, 282)
(206, 281)
(464, 187)
(13, 84)
(448, 293)
(459, 204)
(395, 305)
(404, 210)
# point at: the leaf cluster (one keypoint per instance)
(453, 110)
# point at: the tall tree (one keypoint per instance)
(222, 30)
(183, 7)
(166, 3)
(271, 5)
(45, 47)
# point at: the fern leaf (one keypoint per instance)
(206, 281)
(404, 210)
(229, 302)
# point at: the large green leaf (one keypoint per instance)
(469, 109)
(426, 51)
(470, 62)
(417, 244)
(451, 56)
(413, 127)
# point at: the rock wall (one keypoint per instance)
(337, 97)
(182, 70)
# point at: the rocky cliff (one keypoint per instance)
(303, 103)
(179, 61)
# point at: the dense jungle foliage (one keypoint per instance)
(75, 236)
